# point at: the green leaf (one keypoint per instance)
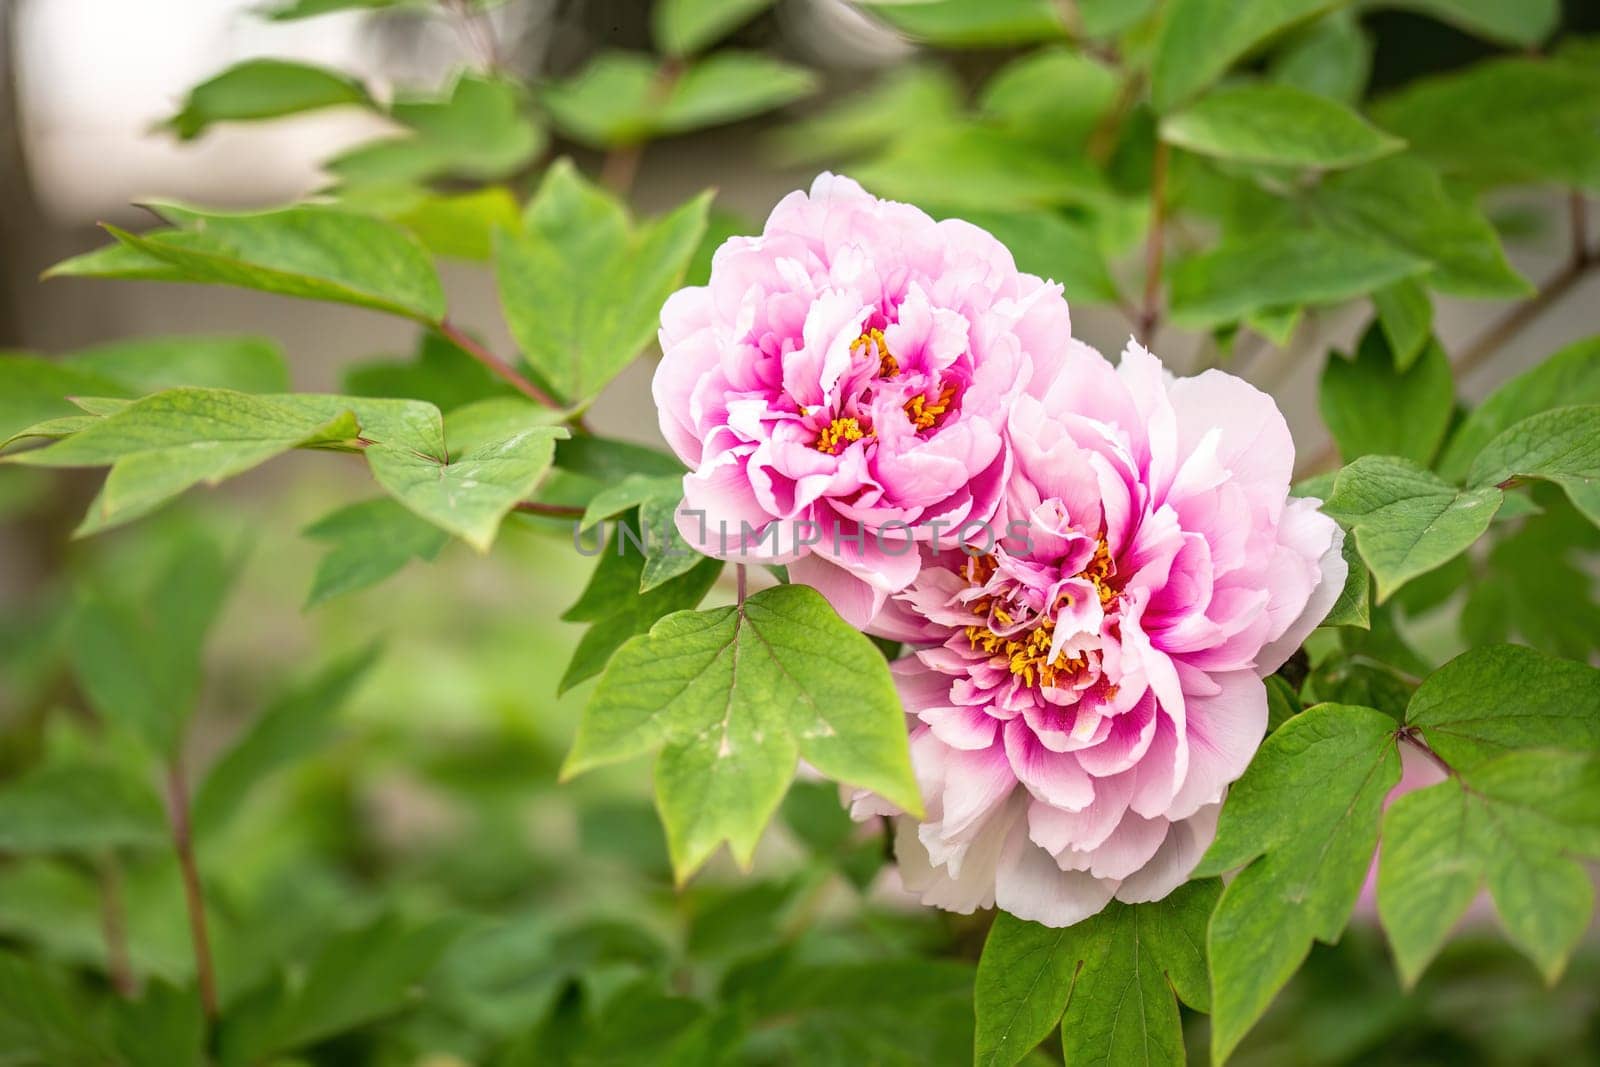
(296, 723)
(1113, 975)
(633, 490)
(117, 261)
(1200, 39)
(1283, 702)
(607, 460)
(1278, 125)
(1490, 700)
(355, 978)
(910, 96)
(1532, 120)
(1278, 267)
(165, 1027)
(1054, 248)
(960, 23)
(1053, 92)
(1304, 817)
(41, 1022)
(727, 86)
(164, 444)
(461, 224)
(368, 542)
(138, 659)
(33, 390)
(1561, 445)
(1373, 409)
(149, 365)
(463, 477)
(618, 610)
(1513, 825)
(622, 98)
(1407, 521)
(1405, 315)
(667, 554)
(263, 89)
(1332, 57)
(1428, 873)
(1571, 376)
(894, 1012)
(1374, 668)
(1512, 22)
(1354, 607)
(1402, 202)
(735, 696)
(79, 807)
(582, 287)
(290, 10)
(1277, 325)
(612, 101)
(684, 27)
(316, 253)
(479, 131)
(495, 453)
(1107, 18)
(981, 168)
(1534, 587)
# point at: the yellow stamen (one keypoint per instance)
(924, 415)
(1028, 655)
(839, 434)
(888, 366)
(1099, 572)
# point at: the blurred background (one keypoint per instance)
(434, 790)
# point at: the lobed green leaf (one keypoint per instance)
(734, 697)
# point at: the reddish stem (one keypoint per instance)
(1155, 243)
(495, 363)
(554, 511)
(194, 897)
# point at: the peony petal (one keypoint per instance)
(1174, 861)
(1224, 731)
(1030, 885)
(1312, 532)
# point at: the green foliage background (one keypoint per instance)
(279, 799)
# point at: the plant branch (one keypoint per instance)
(741, 581)
(1582, 260)
(553, 511)
(499, 366)
(194, 898)
(1150, 312)
(114, 927)
(620, 166)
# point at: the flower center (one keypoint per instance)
(924, 415)
(1099, 572)
(1027, 654)
(839, 434)
(873, 341)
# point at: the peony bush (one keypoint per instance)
(1049, 706)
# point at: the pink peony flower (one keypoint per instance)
(1086, 688)
(840, 388)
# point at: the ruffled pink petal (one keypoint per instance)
(1306, 533)
(1224, 731)
(1030, 885)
